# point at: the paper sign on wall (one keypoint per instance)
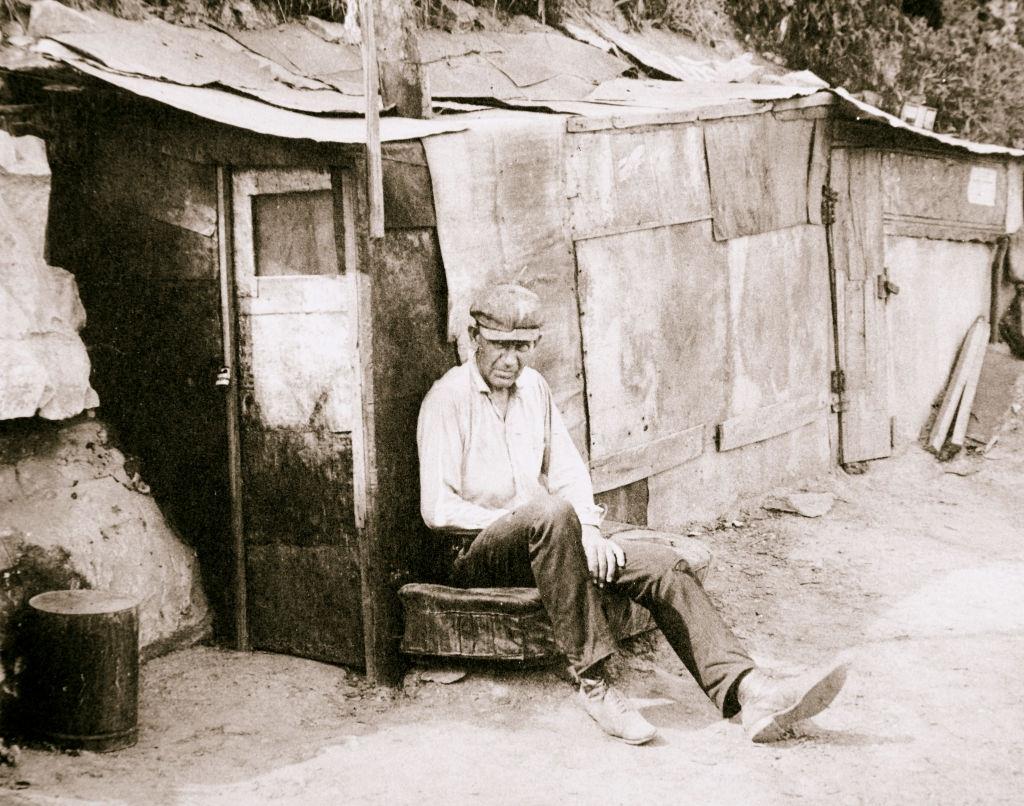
(981, 189)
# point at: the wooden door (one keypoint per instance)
(862, 336)
(294, 256)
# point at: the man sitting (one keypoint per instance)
(498, 466)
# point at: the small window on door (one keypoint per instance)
(293, 233)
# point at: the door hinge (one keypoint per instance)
(829, 198)
(838, 390)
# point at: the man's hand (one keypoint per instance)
(604, 557)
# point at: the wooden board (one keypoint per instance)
(973, 374)
(999, 375)
(634, 464)
(972, 203)
(965, 371)
(758, 169)
(771, 421)
(653, 306)
(817, 172)
(779, 335)
(625, 180)
(858, 244)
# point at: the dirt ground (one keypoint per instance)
(916, 577)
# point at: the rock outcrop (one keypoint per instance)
(68, 495)
(43, 362)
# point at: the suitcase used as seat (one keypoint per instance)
(510, 624)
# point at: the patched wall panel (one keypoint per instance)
(654, 333)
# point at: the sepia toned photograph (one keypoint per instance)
(514, 402)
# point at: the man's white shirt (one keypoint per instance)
(476, 467)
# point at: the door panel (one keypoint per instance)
(299, 393)
(862, 333)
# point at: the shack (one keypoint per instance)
(719, 263)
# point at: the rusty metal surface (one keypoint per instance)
(250, 113)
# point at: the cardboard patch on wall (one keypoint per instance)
(499, 197)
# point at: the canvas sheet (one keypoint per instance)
(499, 197)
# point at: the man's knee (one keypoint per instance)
(554, 509)
(555, 514)
(662, 565)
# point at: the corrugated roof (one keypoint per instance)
(198, 57)
(290, 82)
(253, 115)
(857, 109)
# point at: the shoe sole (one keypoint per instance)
(635, 742)
(815, 700)
(625, 739)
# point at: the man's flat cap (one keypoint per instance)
(507, 312)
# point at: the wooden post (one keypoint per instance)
(374, 170)
(380, 614)
(82, 670)
(229, 376)
(404, 79)
(998, 264)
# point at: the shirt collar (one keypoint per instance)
(478, 379)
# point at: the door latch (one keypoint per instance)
(223, 378)
(886, 287)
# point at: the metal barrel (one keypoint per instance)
(81, 680)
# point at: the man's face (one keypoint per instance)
(501, 362)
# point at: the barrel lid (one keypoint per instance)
(81, 602)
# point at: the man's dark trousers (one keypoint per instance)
(539, 544)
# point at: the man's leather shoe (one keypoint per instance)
(770, 707)
(608, 709)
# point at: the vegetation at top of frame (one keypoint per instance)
(963, 57)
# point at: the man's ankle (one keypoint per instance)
(589, 676)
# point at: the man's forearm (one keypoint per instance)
(456, 514)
